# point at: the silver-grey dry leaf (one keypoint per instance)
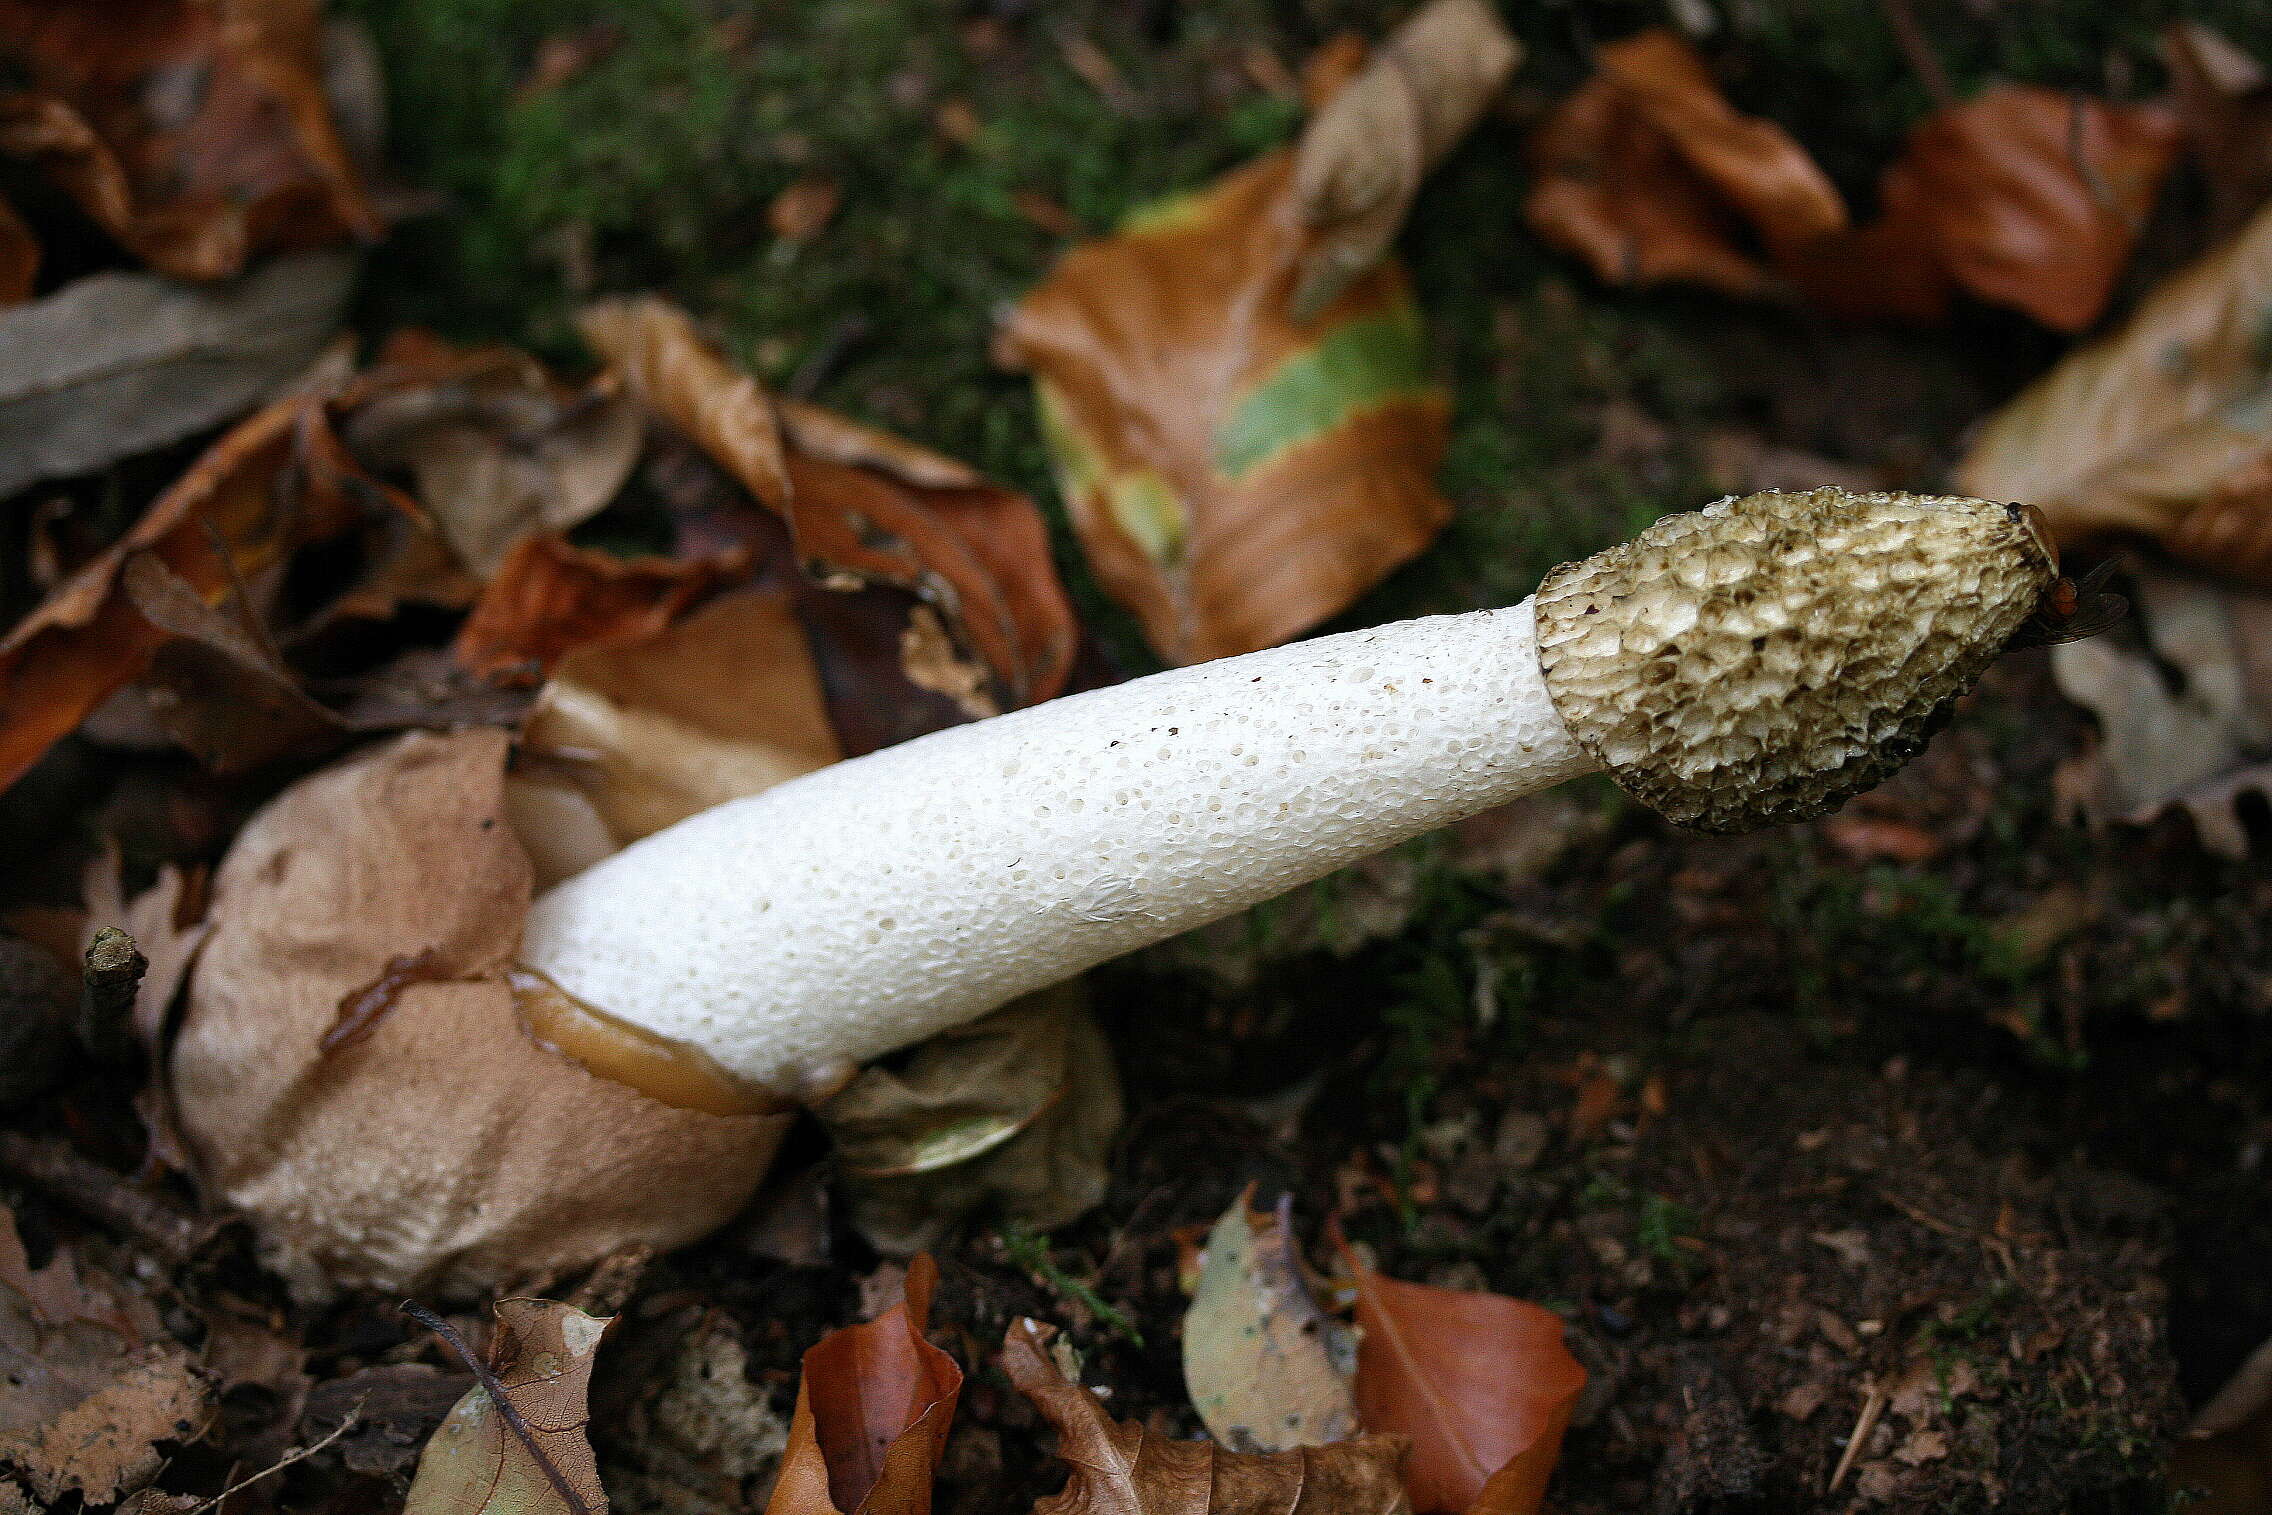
(2202, 741)
(1016, 1111)
(118, 363)
(692, 1444)
(1265, 1367)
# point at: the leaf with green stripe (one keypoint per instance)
(1367, 362)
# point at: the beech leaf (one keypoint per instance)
(1481, 1385)
(873, 1411)
(479, 1462)
(1235, 475)
(1122, 1468)
(550, 597)
(1265, 1367)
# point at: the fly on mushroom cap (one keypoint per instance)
(1767, 658)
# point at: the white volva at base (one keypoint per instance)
(871, 904)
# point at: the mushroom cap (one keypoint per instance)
(1767, 658)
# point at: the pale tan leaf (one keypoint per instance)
(1265, 1367)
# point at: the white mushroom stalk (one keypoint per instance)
(1760, 660)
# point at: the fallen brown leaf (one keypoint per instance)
(398, 851)
(873, 1411)
(2224, 106)
(19, 256)
(803, 210)
(862, 507)
(497, 446)
(2155, 429)
(1649, 174)
(550, 597)
(624, 740)
(1015, 1112)
(194, 183)
(1481, 1384)
(1361, 159)
(1265, 1367)
(526, 1454)
(223, 525)
(1122, 1468)
(1235, 477)
(88, 1385)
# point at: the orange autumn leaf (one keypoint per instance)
(1235, 477)
(1648, 174)
(2021, 196)
(1481, 1384)
(1125, 1468)
(550, 597)
(222, 524)
(253, 163)
(861, 505)
(873, 1411)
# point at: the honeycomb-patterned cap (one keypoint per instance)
(1767, 658)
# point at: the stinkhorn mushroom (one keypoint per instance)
(1761, 660)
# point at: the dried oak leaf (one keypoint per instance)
(1122, 1468)
(478, 1463)
(442, 1148)
(2161, 429)
(873, 1411)
(497, 446)
(626, 739)
(271, 484)
(88, 1387)
(1015, 1112)
(861, 505)
(1648, 174)
(1481, 1385)
(1265, 1367)
(1361, 159)
(1235, 476)
(2021, 196)
(196, 132)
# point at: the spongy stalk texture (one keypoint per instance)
(1766, 658)
(870, 904)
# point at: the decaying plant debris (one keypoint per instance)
(390, 533)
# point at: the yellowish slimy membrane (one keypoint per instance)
(669, 1072)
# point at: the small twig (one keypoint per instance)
(1923, 61)
(288, 1458)
(109, 977)
(827, 355)
(1873, 1405)
(103, 1195)
(495, 1389)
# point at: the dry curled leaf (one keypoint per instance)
(2224, 105)
(1015, 1112)
(403, 853)
(873, 1411)
(118, 363)
(1265, 1367)
(88, 1385)
(2021, 196)
(271, 484)
(1481, 1384)
(497, 446)
(196, 132)
(1122, 1468)
(1235, 477)
(2162, 429)
(1650, 175)
(1361, 159)
(624, 740)
(479, 1463)
(550, 597)
(861, 505)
